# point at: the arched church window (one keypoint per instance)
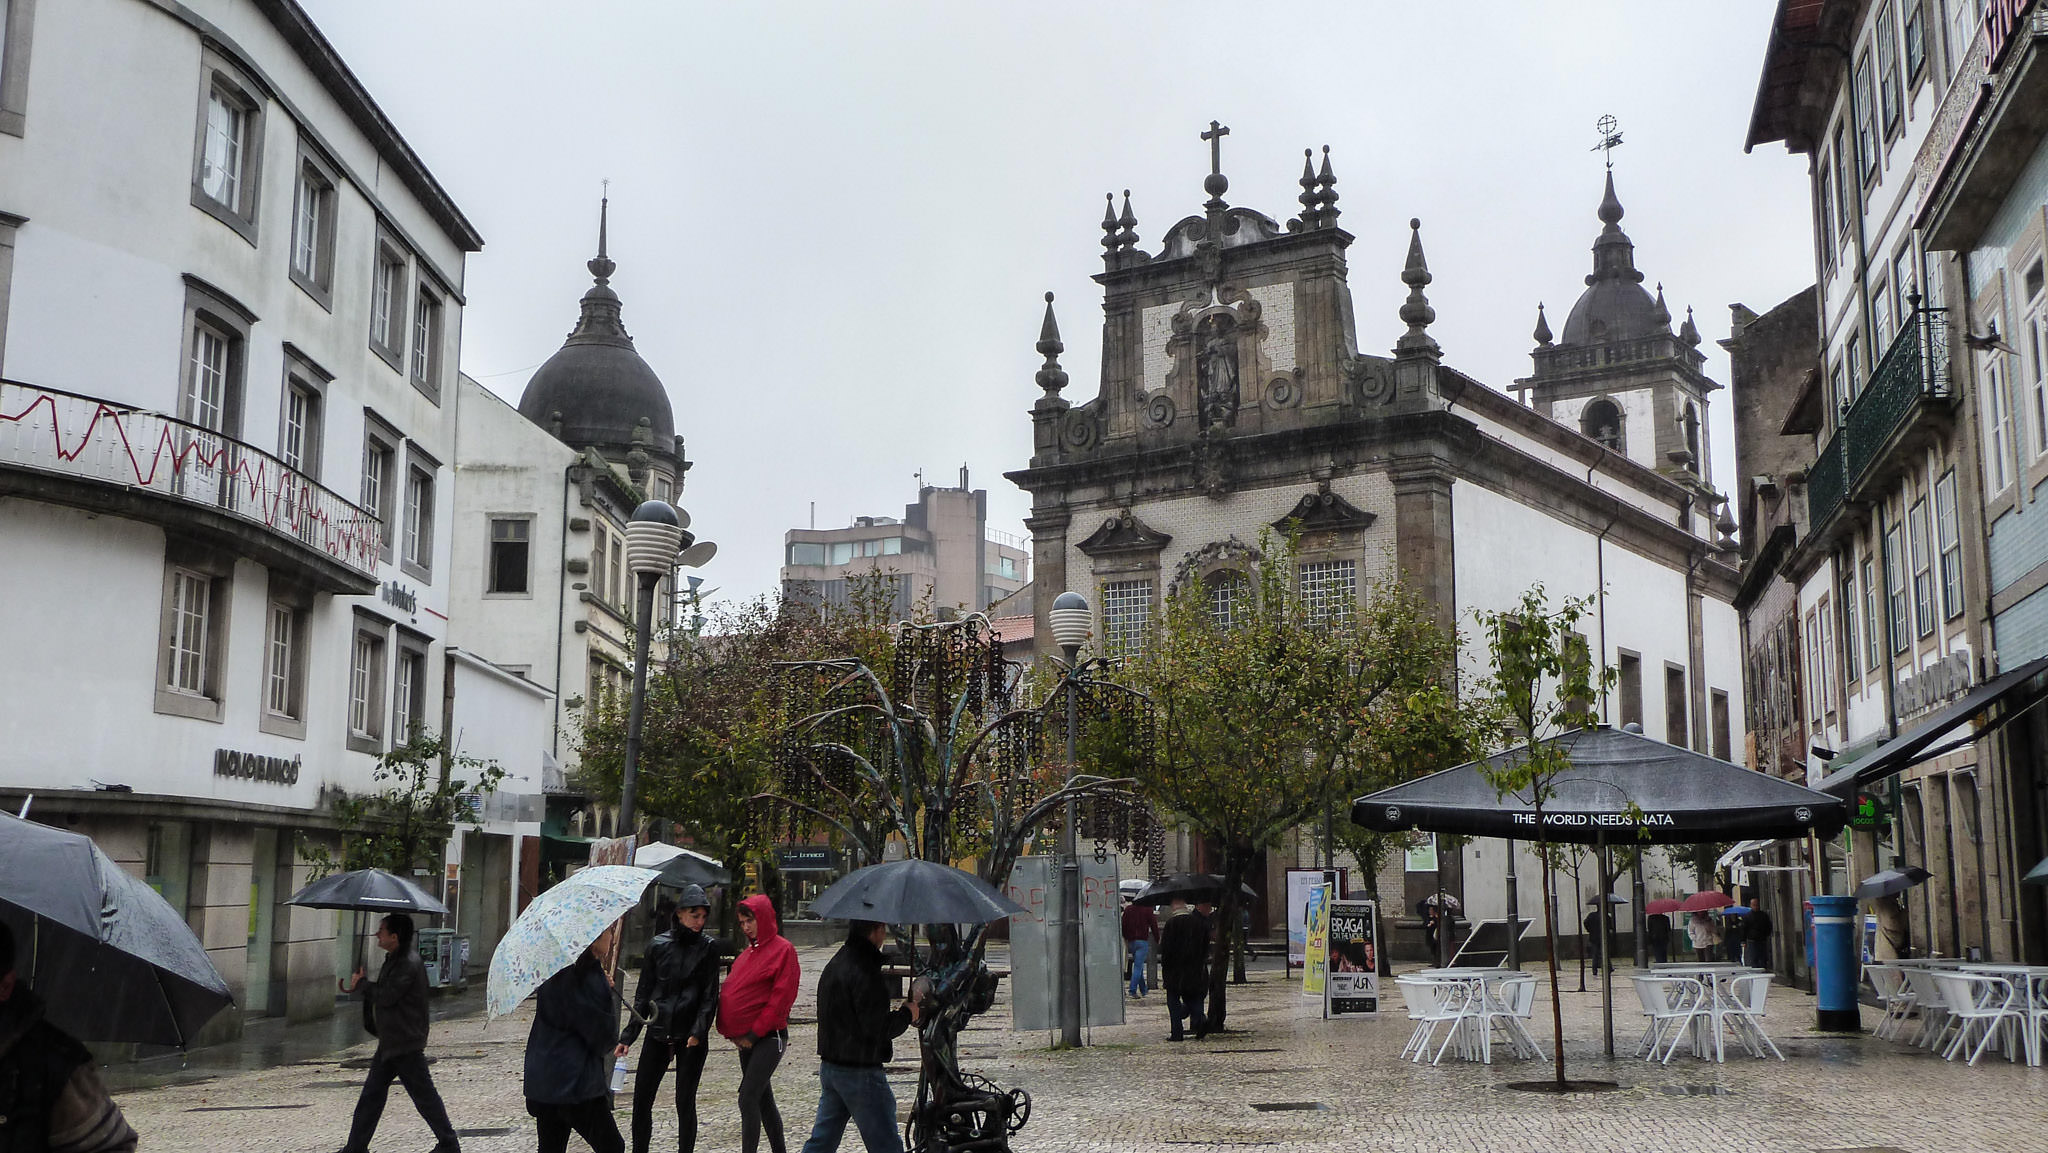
(1228, 593)
(1601, 421)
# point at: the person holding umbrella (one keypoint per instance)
(855, 1027)
(1184, 965)
(753, 1013)
(677, 999)
(395, 1012)
(573, 1033)
(1700, 930)
(50, 1095)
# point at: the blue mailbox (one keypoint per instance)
(1836, 967)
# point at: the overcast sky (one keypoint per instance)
(834, 223)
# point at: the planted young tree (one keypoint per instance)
(1544, 685)
(405, 823)
(1274, 706)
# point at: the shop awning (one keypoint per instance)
(1960, 723)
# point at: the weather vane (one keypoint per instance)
(1610, 138)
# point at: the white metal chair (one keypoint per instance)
(1431, 1003)
(2034, 1007)
(1984, 1005)
(1897, 997)
(1671, 1004)
(1518, 1003)
(1929, 1003)
(1746, 1010)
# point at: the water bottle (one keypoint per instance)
(619, 1075)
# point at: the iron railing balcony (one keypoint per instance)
(1909, 382)
(104, 455)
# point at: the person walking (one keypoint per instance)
(753, 1013)
(1184, 966)
(1141, 929)
(51, 1097)
(395, 1012)
(856, 1024)
(574, 1031)
(1658, 928)
(1593, 948)
(1756, 938)
(676, 1000)
(1700, 931)
(1731, 939)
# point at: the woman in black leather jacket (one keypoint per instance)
(677, 999)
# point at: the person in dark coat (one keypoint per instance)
(1756, 938)
(677, 999)
(51, 1096)
(574, 1032)
(856, 1024)
(1731, 939)
(1658, 928)
(1184, 966)
(395, 1012)
(1593, 948)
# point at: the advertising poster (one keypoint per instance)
(1353, 986)
(1299, 883)
(1315, 948)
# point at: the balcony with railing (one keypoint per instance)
(1906, 397)
(109, 457)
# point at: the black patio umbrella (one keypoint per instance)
(1684, 798)
(1189, 886)
(110, 958)
(914, 892)
(368, 891)
(1886, 882)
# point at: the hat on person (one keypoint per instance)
(693, 898)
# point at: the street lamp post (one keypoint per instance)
(657, 541)
(1071, 619)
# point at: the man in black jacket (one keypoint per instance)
(678, 1001)
(395, 1012)
(855, 1027)
(1184, 965)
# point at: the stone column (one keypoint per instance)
(1424, 546)
(1048, 529)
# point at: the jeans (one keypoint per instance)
(860, 1094)
(1184, 1004)
(757, 1093)
(1139, 948)
(592, 1121)
(654, 1058)
(410, 1070)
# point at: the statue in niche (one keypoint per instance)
(1216, 372)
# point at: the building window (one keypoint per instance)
(1845, 603)
(619, 580)
(1895, 590)
(2033, 356)
(1963, 20)
(426, 342)
(409, 689)
(226, 173)
(1872, 643)
(1629, 686)
(1949, 535)
(207, 377)
(387, 302)
(1126, 616)
(1676, 707)
(1916, 41)
(1904, 285)
(1864, 94)
(1852, 363)
(216, 343)
(804, 552)
(366, 685)
(191, 610)
(301, 417)
(1601, 421)
(511, 540)
(1329, 591)
(1816, 692)
(1847, 193)
(598, 568)
(284, 671)
(1723, 735)
(417, 557)
(1825, 216)
(1891, 97)
(1827, 656)
(1228, 594)
(1923, 568)
(17, 23)
(1881, 314)
(1998, 463)
(192, 664)
(313, 201)
(380, 476)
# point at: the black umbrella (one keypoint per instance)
(1680, 797)
(367, 890)
(1888, 881)
(914, 892)
(1448, 901)
(1192, 887)
(1612, 899)
(111, 958)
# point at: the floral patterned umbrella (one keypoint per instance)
(556, 928)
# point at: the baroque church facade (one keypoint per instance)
(1234, 398)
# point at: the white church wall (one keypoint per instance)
(1570, 465)
(1638, 421)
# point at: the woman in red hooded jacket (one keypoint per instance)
(753, 1012)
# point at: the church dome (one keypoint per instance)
(597, 382)
(1615, 305)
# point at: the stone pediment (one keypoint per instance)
(1124, 533)
(1325, 511)
(1241, 226)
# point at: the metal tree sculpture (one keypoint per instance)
(942, 756)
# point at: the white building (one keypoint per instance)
(230, 305)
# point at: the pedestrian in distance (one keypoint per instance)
(1700, 931)
(1756, 938)
(1184, 966)
(1659, 928)
(856, 1024)
(51, 1097)
(1593, 948)
(395, 1012)
(1141, 932)
(1731, 939)
(677, 1001)
(753, 1013)
(575, 1028)
(1426, 909)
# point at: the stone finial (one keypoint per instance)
(1415, 311)
(1109, 237)
(601, 266)
(1326, 193)
(1127, 225)
(1542, 332)
(1663, 314)
(1308, 188)
(1051, 377)
(1610, 211)
(1688, 331)
(1215, 184)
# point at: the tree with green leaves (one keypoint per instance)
(1274, 706)
(1544, 684)
(404, 824)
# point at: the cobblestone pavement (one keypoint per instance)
(1130, 1090)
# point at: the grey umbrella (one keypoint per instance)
(1886, 882)
(914, 892)
(111, 959)
(367, 890)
